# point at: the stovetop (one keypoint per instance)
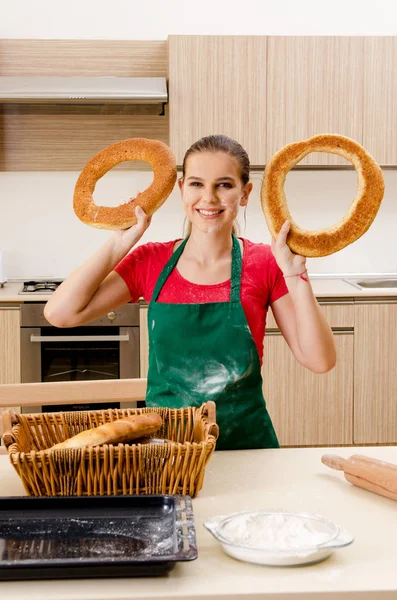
(37, 287)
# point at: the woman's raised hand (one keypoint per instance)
(289, 263)
(127, 238)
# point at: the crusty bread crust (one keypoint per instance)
(157, 153)
(120, 431)
(361, 213)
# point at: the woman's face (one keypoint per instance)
(212, 190)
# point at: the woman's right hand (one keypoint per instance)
(93, 289)
(127, 238)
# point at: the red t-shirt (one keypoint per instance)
(262, 282)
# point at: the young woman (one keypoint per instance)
(208, 297)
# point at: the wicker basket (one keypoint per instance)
(169, 468)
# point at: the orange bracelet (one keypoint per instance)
(299, 275)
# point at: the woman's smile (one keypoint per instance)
(209, 213)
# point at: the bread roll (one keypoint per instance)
(158, 154)
(361, 213)
(123, 430)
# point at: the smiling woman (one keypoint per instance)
(222, 145)
(208, 298)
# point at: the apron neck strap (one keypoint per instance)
(235, 282)
(237, 266)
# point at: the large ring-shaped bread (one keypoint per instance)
(361, 213)
(163, 163)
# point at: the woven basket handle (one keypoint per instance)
(9, 418)
(210, 409)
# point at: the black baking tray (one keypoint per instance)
(96, 536)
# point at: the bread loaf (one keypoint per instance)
(361, 213)
(162, 160)
(120, 431)
(368, 473)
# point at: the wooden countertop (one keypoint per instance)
(332, 287)
(292, 479)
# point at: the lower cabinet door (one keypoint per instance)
(309, 409)
(10, 371)
(375, 380)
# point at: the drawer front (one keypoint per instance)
(337, 315)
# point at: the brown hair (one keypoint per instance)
(220, 143)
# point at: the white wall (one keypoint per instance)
(41, 236)
(155, 19)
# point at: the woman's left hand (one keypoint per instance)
(289, 263)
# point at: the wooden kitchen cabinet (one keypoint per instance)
(310, 409)
(10, 371)
(380, 91)
(217, 84)
(314, 85)
(63, 136)
(265, 91)
(375, 379)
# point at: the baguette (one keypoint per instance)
(123, 430)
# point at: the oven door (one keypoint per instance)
(81, 353)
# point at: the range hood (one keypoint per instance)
(84, 90)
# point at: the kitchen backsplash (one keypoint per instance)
(40, 236)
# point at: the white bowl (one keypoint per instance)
(277, 538)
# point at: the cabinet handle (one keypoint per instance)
(80, 338)
(349, 331)
(344, 302)
(335, 331)
(377, 300)
(272, 332)
(9, 307)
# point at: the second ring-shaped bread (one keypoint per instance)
(361, 213)
(157, 153)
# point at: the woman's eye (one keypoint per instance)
(224, 184)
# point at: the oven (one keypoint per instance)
(107, 348)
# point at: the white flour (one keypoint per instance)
(215, 377)
(274, 532)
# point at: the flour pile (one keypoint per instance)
(275, 531)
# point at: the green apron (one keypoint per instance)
(200, 352)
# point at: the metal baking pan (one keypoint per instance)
(105, 536)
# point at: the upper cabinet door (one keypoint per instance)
(315, 85)
(380, 92)
(217, 85)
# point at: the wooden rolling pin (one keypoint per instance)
(368, 473)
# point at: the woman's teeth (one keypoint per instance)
(209, 213)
